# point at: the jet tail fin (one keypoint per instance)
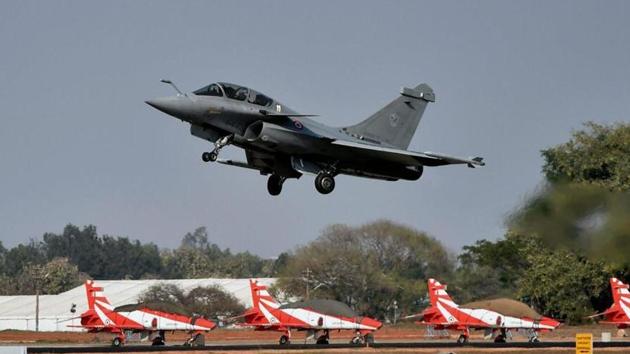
(438, 291)
(94, 293)
(260, 293)
(619, 290)
(396, 123)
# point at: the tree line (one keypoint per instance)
(559, 249)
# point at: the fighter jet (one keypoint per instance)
(498, 315)
(618, 313)
(313, 316)
(147, 319)
(283, 143)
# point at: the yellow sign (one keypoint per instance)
(584, 343)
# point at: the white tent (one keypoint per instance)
(18, 312)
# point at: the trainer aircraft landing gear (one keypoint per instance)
(274, 184)
(501, 337)
(367, 339)
(218, 145)
(532, 336)
(325, 182)
(196, 339)
(463, 338)
(159, 339)
(324, 338)
(117, 341)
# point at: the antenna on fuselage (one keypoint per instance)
(175, 87)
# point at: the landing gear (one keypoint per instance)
(159, 339)
(195, 340)
(463, 338)
(502, 337)
(117, 342)
(532, 336)
(284, 340)
(218, 145)
(324, 338)
(209, 156)
(369, 339)
(324, 182)
(274, 184)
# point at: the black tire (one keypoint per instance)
(213, 156)
(157, 341)
(274, 184)
(355, 340)
(369, 339)
(323, 339)
(324, 183)
(117, 342)
(205, 157)
(462, 339)
(535, 340)
(199, 341)
(284, 340)
(499, 339)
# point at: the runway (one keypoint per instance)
(254, 347)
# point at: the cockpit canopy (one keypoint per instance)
(235, 92)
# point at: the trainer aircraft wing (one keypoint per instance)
(410, 158)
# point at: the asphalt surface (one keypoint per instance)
(392, 345)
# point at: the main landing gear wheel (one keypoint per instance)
(324, 183)
(500, 339)
(117, 342)
(274, 184)
(462, 339)
(157, 341)
(323, 339)
(209, 156)
(284, 340)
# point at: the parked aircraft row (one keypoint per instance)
(284, 144)
(320, 317)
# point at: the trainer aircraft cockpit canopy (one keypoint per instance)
(235, 92)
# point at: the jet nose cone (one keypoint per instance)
(546, 321)
(370, 322)
(174, 105)
(205, 323)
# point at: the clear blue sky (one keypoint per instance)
(78, 144)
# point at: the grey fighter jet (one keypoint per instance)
(284, 144)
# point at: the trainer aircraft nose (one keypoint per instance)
(370, 322)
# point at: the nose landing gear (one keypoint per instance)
(218, 145)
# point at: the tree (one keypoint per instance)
(211, 301)
(597, 155)
(21, 255)
(368, 267)
(491, 269)
(53, 277)
(164, 292)
(562, 284)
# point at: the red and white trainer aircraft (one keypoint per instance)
(619, 312)
(122, 321)
(444, 313)
(312, 316)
